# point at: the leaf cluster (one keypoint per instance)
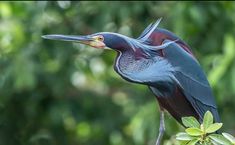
(203, 134)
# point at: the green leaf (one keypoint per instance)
(193, 142)
(184, 136)
(207, 120)
(229, 137)
(194, 131)
(190, 122)
(214, 143)
(214, 127)
(183, 142)
(219, 139)
(206, 143)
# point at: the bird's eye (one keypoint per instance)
(100, 38)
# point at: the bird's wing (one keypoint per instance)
(191, 78)
(183, 69)
(149, 30)
(189, 73)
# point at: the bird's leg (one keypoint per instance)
(161, 127)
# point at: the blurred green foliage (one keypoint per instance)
(60, 93)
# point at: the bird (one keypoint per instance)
(164, 63)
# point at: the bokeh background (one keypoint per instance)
(61, 93)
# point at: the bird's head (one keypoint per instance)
(102, 40)
(143, 46)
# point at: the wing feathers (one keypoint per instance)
(192, 80)
(149, 30)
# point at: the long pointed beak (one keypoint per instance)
(73, 38)
(88, 40)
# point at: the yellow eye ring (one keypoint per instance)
(100, 38)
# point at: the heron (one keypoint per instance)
(164, 63)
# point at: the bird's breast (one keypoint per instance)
(126, 63)
(135, 70)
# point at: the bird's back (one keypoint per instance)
(188, 75)
(176, 79)
(172, 73)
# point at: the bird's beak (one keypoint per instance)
(88, 40)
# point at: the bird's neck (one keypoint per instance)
(128, 63)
